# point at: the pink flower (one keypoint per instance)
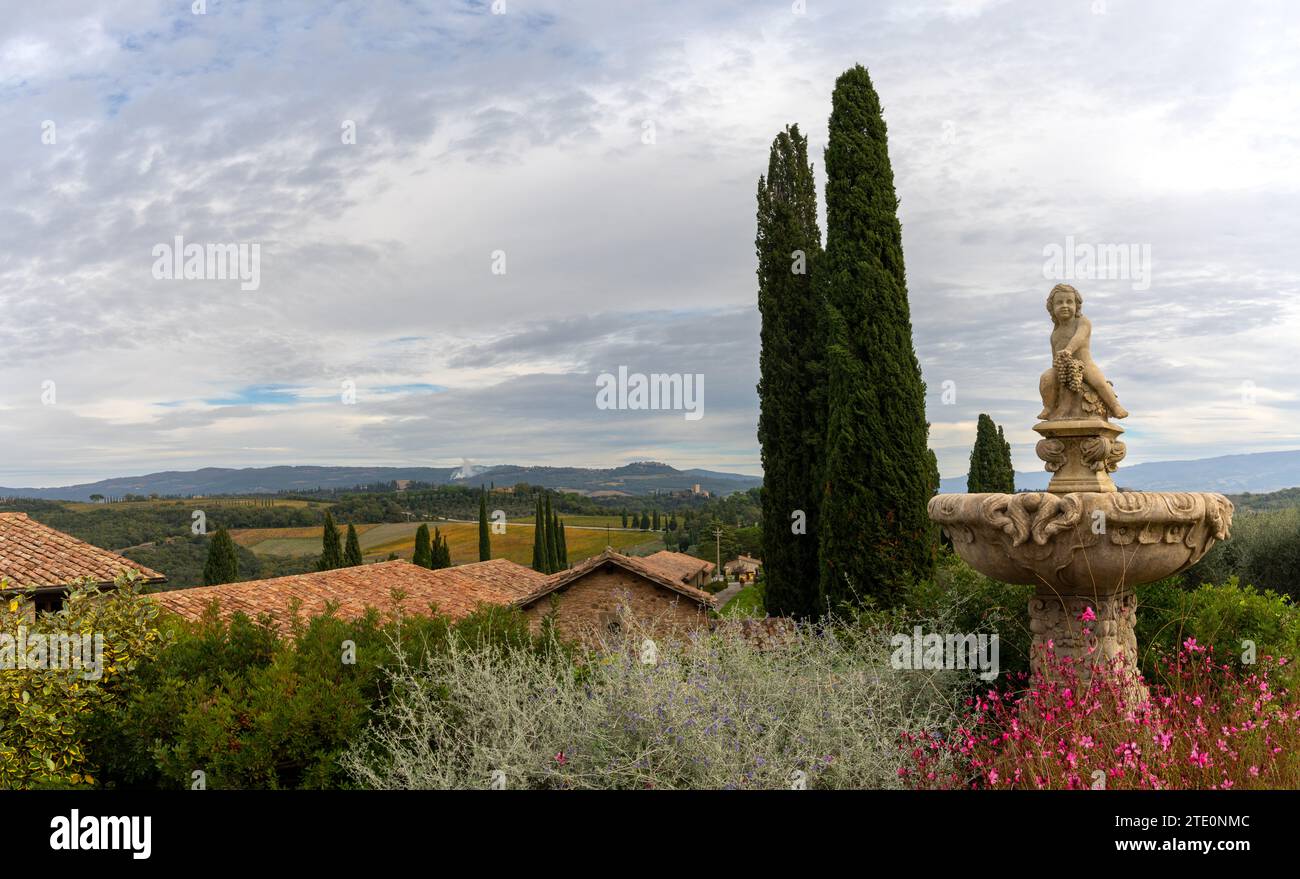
(1087, 616)
(561, 759)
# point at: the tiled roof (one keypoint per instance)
(635, 565)
(35, 556)
(677, 565)
(456, 591)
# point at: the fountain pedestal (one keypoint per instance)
(1080, 453)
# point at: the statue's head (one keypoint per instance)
(1063, 303)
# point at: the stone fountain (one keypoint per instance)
(1083, 543)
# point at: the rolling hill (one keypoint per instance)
(641, 478)
(1257, 473)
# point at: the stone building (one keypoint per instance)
(593, 599)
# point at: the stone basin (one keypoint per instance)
(1084, 551)
(1083, 542)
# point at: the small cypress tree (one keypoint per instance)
(331, 555)
(439, 551)
(990, 460)
(352, 549)
(484, 535)
(423, 549)
(557, 554)
(564, 547)
(625, 518)
(548, 539)
(1008, 470)
(222, 565)
(539, 537)
(655, 521)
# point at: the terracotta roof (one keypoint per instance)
(635, 565)
(456, 591)
(36, 556)
(677, 565)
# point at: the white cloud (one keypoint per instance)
(1011, 125)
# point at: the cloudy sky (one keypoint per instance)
(390, 159)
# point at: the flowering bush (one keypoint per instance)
(1206, 726)
(820, 709)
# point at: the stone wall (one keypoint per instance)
(590, 605)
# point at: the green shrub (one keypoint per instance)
(251, 709)
(969, 602)
(44, 710)
(1221, 617)
(1264, 551)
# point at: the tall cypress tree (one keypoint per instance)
(564, 545)
(331, 555)
(423, 549)
(352, 549)
(990, 460)
(791, 397)
(222, 565)
(484, 535)
(875, 535)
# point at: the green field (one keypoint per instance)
(377, 541)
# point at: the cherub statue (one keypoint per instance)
(1074, 387)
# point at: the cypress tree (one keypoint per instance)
(539, 535)
(484, 535)
(331, 555)
(439, 551)
(352, 549)
(625, 518)
(654, 522)
(222, 565)
(557, 557)
(423, 549)
(875, 535)
(564, 546)
(990, 460)
(548, 538)
(790, 388)
(1008, 470)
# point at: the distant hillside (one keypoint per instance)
(634, 479)
(1230, 474)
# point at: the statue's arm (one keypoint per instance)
(1081, 335)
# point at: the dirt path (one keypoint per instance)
(727, 594)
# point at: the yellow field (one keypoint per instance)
(377, 541)
(193, 503)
